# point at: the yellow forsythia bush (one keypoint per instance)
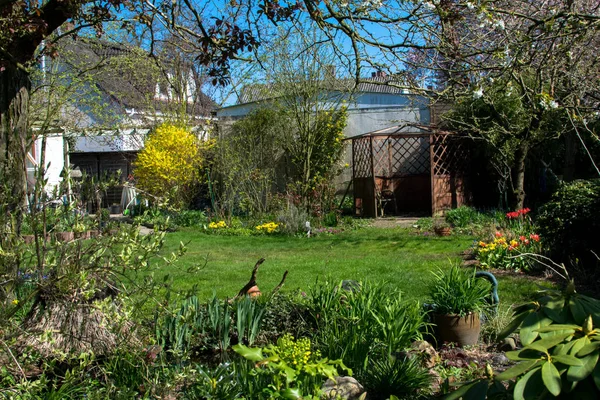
(170, 164)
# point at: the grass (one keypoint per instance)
(396, 256)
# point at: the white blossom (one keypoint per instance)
(477, 94)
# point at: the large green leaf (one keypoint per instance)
(517, 370)
(461, 391)
(478, 391)
(529, 328)
(596, 376)
(579, 373)
(514, 324)
(579, 344)
(588, 348)
(567, 359)
(559, 327)
(551, 378)
(553, 309)
(291, 393)
(577, 309)
(544, 345)
(529, 386)
(249, 353)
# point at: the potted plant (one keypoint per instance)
(441, 227)
(457, 297)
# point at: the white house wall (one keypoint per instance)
(54, 159)
(126, 140)
(366, 113)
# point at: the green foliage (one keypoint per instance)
(175, 331)
(569, 222)
(190, 218)
(249, 315)
(293, 219)
(293, 367)
(363, 322)
(464, 216)
(404, 378)
(214, 323)
(560, 354)
(286, 313)
(458, 292)
(247, 157)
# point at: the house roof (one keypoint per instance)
(127, 85)
(378, 84)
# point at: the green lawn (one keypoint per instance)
(396, 256)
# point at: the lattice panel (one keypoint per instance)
(449, 155)
(361, 154)
(401, 156)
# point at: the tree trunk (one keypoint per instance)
(14, 100)
(518, 176)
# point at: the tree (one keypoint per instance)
(169, 165)
(302, 80)
(248, 157)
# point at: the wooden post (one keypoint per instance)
(354, 175)
(432, 166)
(373, 177)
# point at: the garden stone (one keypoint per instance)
(509, 344)
(500, 359)
(344, 387)
(424, 352)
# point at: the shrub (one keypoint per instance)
(560, 353)
(190, 218)
(292, 219)
(392, 376)
(357, 322)
(570, 221)
(168, 166)
(293, 367)
(458, 292)
(463, 216)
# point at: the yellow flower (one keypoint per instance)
(15, 302)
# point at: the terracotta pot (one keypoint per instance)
(64, 236)
(445, 231)
(463, 331)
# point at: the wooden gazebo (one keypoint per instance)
(417, 172)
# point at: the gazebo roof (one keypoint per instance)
(403, 130)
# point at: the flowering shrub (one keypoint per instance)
(169, 165)
(293, 368)
(217, 225)
(269, 227)
(506, 249)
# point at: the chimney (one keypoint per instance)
(378, 74)
(329, 71)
